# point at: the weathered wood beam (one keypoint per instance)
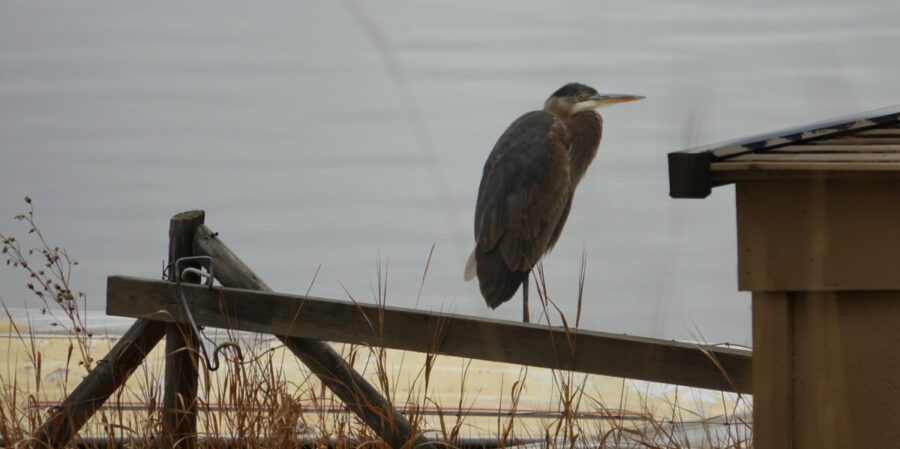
(331, 369)
(502, 341)
(107, 376)
(179, 420)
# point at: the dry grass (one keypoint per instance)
(262, 397)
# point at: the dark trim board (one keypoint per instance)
(690, 175)
(502, 341)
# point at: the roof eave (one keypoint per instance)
(689, 170)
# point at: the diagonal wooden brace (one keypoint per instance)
(356, 392)
(110, 373)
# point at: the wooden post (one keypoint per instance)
(179, 421)
(360, 396)
(773, 410)
(106, 377)
(821, 254)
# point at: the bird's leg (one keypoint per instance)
(525, 298)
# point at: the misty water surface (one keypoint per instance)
(351, 134)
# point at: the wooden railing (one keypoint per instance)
(304, 323)
(438, 333)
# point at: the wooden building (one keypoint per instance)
(818, 226)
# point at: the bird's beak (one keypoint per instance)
(603, 100)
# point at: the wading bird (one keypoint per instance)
(527, 187)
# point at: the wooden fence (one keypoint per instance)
(304, 323)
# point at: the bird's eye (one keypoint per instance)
(582, 97)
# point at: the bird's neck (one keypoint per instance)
(586, 128)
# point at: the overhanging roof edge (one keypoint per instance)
(689, 171)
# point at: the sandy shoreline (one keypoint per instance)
(482, 390)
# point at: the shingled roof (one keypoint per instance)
(859, 143)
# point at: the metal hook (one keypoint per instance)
(206, 262)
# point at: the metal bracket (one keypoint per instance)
(206, 262)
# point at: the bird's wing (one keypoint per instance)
(524, 190)
(561, 222)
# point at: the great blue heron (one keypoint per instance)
(527, 187)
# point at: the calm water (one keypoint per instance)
(342, 134)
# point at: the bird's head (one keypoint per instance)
(576, 97)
